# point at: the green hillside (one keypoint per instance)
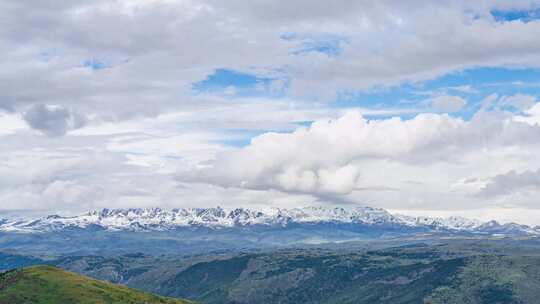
(457, 272)
(47, 284)
(406, 275)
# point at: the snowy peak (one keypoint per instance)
(437, 223)
(157, 219)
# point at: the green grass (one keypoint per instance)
(47, 284)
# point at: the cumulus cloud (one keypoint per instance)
(331, 155)
(53, 120)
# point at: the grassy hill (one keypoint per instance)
(47, 284)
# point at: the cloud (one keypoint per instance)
(447, 103)
(44, 57)
(489, 102)
(531, 115)
(11, 123)
(465, 89)
(53, 120)
(332, 156)
(511, 183)
(523, 103)
(73, 174)
(64, 192)
(520, 102)
(129, 102)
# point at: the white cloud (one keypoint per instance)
(10, 123)
(367, 159)
(489, 101)
(70, 192)
(447, 103)
(465, 89)
(520, 102)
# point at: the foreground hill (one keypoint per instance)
(47, 284)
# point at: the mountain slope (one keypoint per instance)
(397, 275)
(47, 284)
(454, 271)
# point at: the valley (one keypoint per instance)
(456, 271)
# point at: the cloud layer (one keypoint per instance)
(188, 103)
(71, 56)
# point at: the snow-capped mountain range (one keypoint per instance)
(157, 219)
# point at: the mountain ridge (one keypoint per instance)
(158, 219)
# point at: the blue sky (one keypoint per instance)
(330, 45)
(473, 85)
(516, 14)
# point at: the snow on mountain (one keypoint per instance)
(437, 223)
(157, 219)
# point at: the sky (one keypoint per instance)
(419, 107)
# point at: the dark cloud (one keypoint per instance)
(53, 120)
(511, 182)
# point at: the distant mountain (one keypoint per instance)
(367, 220)
(47, 284)
(10, 261)
(201, 230)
